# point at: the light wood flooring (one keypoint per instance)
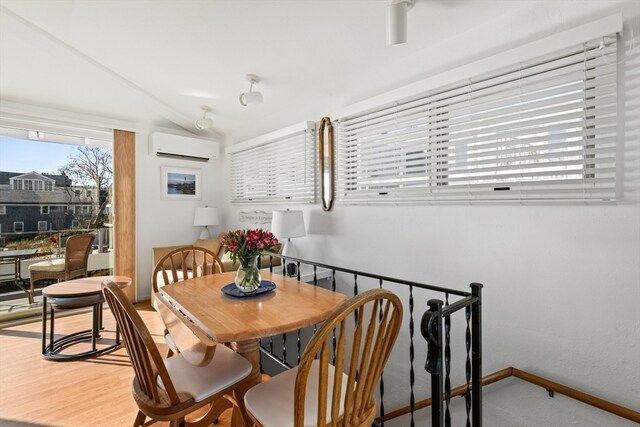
(92, 392)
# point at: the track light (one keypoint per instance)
(397, 21)
(205, 122)
(251, 97)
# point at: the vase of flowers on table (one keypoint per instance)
(245, 246)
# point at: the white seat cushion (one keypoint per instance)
(49, 265)
(226, 368)
(272, 402)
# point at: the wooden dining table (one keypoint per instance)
(243, 321)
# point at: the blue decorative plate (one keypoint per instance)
(232, 290)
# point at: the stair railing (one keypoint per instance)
(284, 352)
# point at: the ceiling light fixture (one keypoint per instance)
(397, 21)
(205, 122)
(251, 97)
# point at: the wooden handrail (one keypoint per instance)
(589, 399)
(605, 405)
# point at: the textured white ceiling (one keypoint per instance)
(157, 62)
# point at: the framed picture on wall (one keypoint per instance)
(180, 183)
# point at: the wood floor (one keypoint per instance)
(92, 392)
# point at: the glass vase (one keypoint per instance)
(248, 275)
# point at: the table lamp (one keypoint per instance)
(205, 217)
(285, 225)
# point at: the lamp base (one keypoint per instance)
(290, 267)
(204, 234)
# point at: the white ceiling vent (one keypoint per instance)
(183, 147)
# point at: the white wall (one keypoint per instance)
(161, 222)
(562, 281)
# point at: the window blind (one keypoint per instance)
(280, 170)
(540, 130)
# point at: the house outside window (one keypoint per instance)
(17, 184)
(42, 225)
(75, 223)
(18, 227)
(44, 210)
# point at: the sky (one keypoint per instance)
(24, 155)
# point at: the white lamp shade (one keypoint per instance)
(287, 224)
(206, 216)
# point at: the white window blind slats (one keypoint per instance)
(417, 165)
(577, 91)
(541, 84)
(543, 130)
(278, 171)
(484, 131)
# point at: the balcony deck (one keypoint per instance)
(13, 301)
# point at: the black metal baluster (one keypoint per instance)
(447, 367)
(467, 368)
(284, 347)
(315, 275)
(299, 347)
(476, 354)
(447, 364)
(431, 329)
(355, 292)
(412, 379)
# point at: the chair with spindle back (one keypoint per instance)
(334, 385)
(178, 265)
(169, 389)
(184, 263)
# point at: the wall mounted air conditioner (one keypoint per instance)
(183, 147)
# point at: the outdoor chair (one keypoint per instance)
(333, 384)
(170, 389)
(178, 265)
(73, 265)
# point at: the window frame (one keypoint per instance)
(21, 225)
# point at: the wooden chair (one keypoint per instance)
(184, 263)
(178, 265)
(334, 385)
(169, 389)
(74, 265)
